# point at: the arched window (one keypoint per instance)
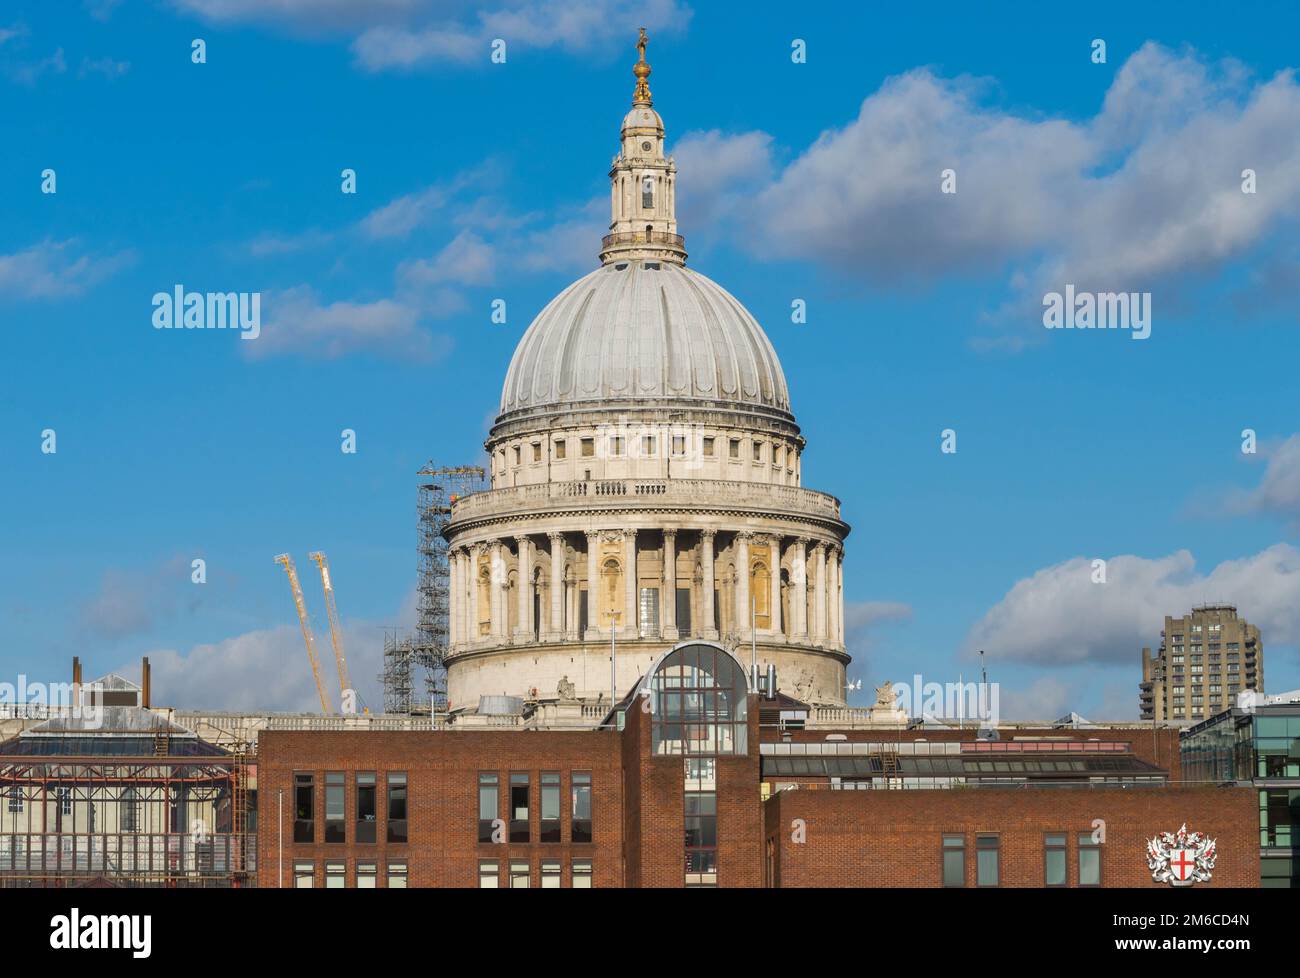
(698, 702)
(760, 590)
(130, 815)
(485, 601)
(647, 192)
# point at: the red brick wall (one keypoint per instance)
(894, 838)
(442, 783)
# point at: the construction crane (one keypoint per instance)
(307, 635)
(336, 633)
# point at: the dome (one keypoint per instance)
(643, 117)
(637, 331)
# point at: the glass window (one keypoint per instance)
(734, 448)
(699, 702)
(1054, 860)
(130, 808)
(615, 445)
(334, 811)
(367, 874)
(519, 877)
(954, 860)
(1089, 861)
(588, 447)
(708, 446)
(488, 805)
(335, 875)
(518, 807)
(550, 874)
(580, 818)
(366, 806)
(550, 807)
(582, 874)
(986, 860)
(561, 448)
(304, 875)
(488, 874)
(304, 807)
(701, 838)
(397, 876)
(397, 806)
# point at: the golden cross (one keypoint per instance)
(640, 45)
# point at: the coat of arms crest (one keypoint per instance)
(1181, 858)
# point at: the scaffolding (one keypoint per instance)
(427, 648)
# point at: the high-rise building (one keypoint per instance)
(1205, 659)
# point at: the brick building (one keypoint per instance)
(670, 791)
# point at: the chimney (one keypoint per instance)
(76, 671)
(144, 672)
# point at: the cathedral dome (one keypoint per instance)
(638, 331)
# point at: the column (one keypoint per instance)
(840, 580)
(819, 594)
(631, 620)
(475, 612)
(454, 616)
(705, 627)
(524, 626)
(742, 583)
(832, 597)
(774, 598)
(799, 592)
(500, 618)
(593, 584)
(556, 631)
(668, 590)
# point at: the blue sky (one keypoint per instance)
(479, 181)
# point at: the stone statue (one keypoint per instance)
(566, 690)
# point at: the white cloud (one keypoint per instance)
(30, 72)
(53, 270)
(466, 260)
(719, 170)
(130, 601)
(1145, 192)
(103, 66)
(1058, 616)
(1278, 492)
(296, 321)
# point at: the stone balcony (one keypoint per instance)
(657, 494)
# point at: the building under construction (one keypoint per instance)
(105, 792)
(425, 651)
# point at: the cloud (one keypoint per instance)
(1278, 492)
(271, 244)
(861, 623)
(30, 72)
(466, 260)
(1046, 699)
(1058, 616)
(296, 321)
(9, 33)
(52, 270)
(129, 602)
(720, 171)
(1148, 191)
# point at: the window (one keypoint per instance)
(304, 875)
(582, 874)
(560, 448)
(648, 446)
(335, 876)
(758, 451)
(986, 861)
(708, 446)
(733, 448)
(588, 447)
(550, 874)
(130, 809)
(699, 703)
(701, 838)
(367, 876)
(366, 806)
(648, 192)
(304, 808)
(550, 807)
(519, 878)
(615, 445)
(648, 611)
(1089, 860)
(679, 444)
(518, 807)
(537, 451)
(1054, 860)
(65, 801)
(334, 811)
(580, 817)
(954, 860)
(517, 459)
(397, 876)
(397, 806)
(488, 874)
